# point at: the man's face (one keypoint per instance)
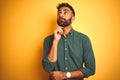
(64, 17)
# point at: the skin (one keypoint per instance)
(65, 13)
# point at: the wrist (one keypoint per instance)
(68, 75)
(64, 75)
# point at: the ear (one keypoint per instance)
(73, 18)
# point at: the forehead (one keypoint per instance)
(64, 9)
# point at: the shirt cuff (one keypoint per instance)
(48, 65)
(85, 72)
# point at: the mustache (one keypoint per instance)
(62, 19)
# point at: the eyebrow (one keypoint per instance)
(64, 10)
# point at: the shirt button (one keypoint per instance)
(65, 58)
(65, 39)
(66, 68)
(65, 48)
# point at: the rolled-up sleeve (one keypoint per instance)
(89, 59)
(47, 65)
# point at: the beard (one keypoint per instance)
(63, 22)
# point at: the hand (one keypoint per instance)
(57, 75)
(57, 33)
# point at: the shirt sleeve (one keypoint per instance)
(47, 65)
(88, 58)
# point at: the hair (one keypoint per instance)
(60, 5)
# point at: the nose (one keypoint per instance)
(61, 15)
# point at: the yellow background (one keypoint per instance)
(25, 24)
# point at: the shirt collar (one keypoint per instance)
(71, 31)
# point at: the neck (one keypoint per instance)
(66, 30)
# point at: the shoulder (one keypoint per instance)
(81, 35)
(48, 38)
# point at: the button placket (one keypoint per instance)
(66, 68)
(66, 51)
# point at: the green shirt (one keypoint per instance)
(74, 51)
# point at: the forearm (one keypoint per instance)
(52, 56)
(77, 74)
(59, 75)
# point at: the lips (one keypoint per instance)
(61, 19)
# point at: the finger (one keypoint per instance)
(60, 30)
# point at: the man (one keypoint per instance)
(68, 54)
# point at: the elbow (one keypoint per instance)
(93, 72)
(48, 66)
(88, 72)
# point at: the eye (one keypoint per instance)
(59, 12)
(65, 12)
